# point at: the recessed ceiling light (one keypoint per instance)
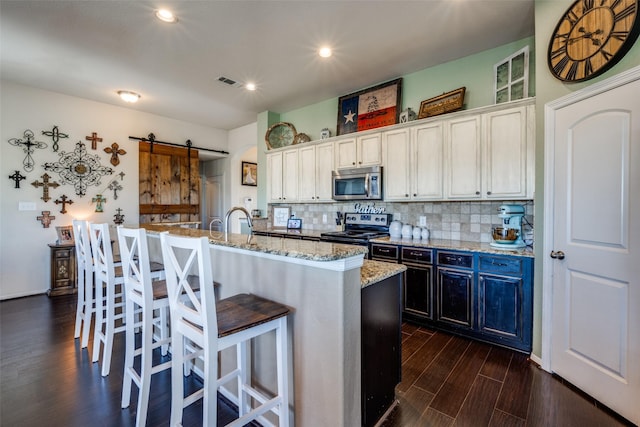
(128, 96)
(250, 86)
(325, 52)
(166, 16)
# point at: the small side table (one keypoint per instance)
(63, 269)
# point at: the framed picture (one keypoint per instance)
(441, 104)
(511, 77)
(280, 217)
(249, 173)
(370, 108)
(294, 223)
(65, 235)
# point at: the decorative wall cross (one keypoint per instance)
(114, 150)
(55, 135)
(122, 174)
(45, 218)
(45, 184)
(119, 217)
(17, 177)
(64, 201)
(79, 168)
(115, 187)
(29, 145)
(94, 140)
(99, 201)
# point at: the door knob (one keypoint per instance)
(557, 254)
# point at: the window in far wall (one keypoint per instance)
(511, 77)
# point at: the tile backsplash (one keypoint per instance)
(467, 220)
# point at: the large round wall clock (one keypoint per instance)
(591, 37)
(280, 135)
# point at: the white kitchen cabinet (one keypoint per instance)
(463, 164)
(413, 163)
(282, 185)
(358, 151)
(508, 151)
(315, 166)
(396, 147)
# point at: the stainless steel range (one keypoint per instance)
(359, 228)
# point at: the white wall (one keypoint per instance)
(242, 147)
(24, 254)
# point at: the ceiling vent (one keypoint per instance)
(227, 81)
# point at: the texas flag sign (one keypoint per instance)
(370, 108)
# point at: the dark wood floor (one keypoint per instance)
(47, 380)
(452, 381)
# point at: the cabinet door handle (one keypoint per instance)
(488, 193)
(477, 193)
(415, 195)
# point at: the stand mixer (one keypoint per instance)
(511, 219)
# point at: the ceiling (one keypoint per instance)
(93, 48)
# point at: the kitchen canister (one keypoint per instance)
(424, 234)
(407, 231)
(417, 232)
(395, 229)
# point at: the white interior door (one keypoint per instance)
(595, 246)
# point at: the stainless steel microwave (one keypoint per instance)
(357, 184)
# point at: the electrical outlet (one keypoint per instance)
(423, 221)
(26, 206)
(324, 218)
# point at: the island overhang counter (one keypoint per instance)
(322, 283)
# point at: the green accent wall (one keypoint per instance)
(425, 84)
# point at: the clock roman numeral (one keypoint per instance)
(588, 68)
(564, 36)
(607, 55)
(572, 17)
(620, 35)
(625, 12)
(573, 71)
(614, 4)
(562, 50)
(559, 67)
(587, 4)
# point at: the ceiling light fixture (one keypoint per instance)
(250, 86)
(166, 16)
(128, 96)
(325, 52)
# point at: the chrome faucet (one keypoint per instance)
(215, 220)
(228, 215)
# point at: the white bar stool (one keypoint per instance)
(214, 327)
(151, 297)
(110, 297)
(84, 262)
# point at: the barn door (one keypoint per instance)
(169, 184)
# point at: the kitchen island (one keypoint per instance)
(323, 284)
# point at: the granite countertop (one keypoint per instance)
(287, 232)
(454, 245)
(294, 248)
(375, 271)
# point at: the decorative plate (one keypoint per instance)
(301, 138)
(280, 135)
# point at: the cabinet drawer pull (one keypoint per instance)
(499, 264)
(386, 251)
(416, 254)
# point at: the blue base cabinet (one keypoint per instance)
(480, 295)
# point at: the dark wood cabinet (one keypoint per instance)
(63, 269)
(418, 282)
(381, 316)
(455, 297)
(480, 295)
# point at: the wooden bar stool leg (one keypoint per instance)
(283, 365)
